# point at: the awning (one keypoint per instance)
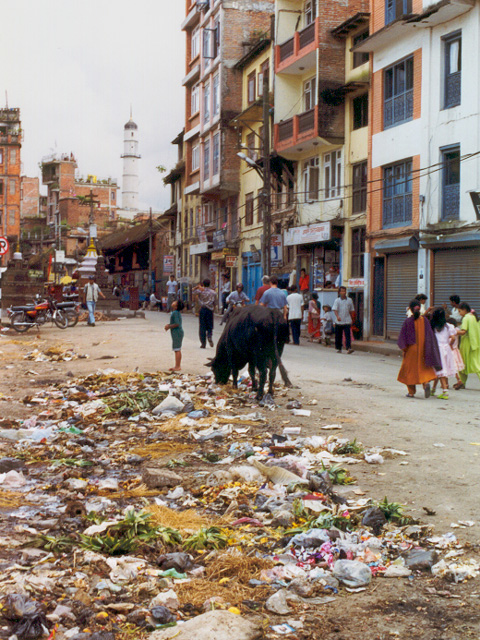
(397, 245)
(465, 239)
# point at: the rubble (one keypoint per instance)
(165, 506)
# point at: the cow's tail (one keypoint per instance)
(283, 371)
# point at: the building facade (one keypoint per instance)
(10, 169)
(217, 35)
(423, 232)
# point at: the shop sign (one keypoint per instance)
(201, 234)
(219, 241)
(168, 264)
(320, 232)
(197, 249)
(230, 262)
(217, 255)
(356, 282)
(276, 250)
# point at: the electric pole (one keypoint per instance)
(266, 178)
(89, 201)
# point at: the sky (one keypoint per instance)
(75, 67)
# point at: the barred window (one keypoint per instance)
(397, 194)
(398, 93)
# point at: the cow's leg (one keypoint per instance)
(235, 377)
(272, 375)
(263, 378)
(251, 371)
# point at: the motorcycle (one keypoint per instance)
(24, 317)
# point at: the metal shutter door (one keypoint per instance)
(401, 288)
(457, 272)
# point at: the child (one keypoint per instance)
(176, 331)
(443, 333)
(328, 323)
(457, 356)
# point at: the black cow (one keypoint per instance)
(255, 336)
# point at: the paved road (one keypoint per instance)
(361, 391)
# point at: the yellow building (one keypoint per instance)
(255, 65)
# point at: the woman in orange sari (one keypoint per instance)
(421, 356)
(314, 322)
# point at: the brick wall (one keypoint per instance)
(417, 83)
(10, 200)
(29, 194)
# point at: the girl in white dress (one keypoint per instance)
(444, 332)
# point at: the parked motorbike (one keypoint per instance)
(24, 317)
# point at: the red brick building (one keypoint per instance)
(10, 164)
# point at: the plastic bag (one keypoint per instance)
(277, 474)
(26, 618)
(352, 573)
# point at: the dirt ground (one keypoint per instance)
(418, 607)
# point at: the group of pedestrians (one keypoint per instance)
(435, 348)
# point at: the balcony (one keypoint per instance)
(298, 52)
(11, 138)
(306, 131)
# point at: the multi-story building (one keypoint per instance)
(216, 32)
(423, 232)
(10, 168)
(68, 208)
(310, 89)
(255, 66)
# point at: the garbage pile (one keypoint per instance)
(55, 353)
(156, 506)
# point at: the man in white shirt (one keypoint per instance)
(343, 309)
(91, 292)
(172, 287)
(295, 312)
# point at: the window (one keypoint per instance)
(251, 146)
(359, 187)
(358, 250)
(195, 101)
(13, 156)
(263, 74)
(192, 222)
(453, 70)
(216, 94)
(311, 177)
(398, 96)
(451, 183)
(309, 94)
(360, 57)
(310, 12)
(206, 159)
(332, 170)
(261, 204)
(1, 156)
(216, 154)
(206, 102)
(1, 187)
(251, 87)
(396, 9)
(248, 209)
(185, 225)
(397, 194)
(216, 39)
(195, 48)
(360, 111)
(195, 157)
(13, 187)
(113, 196)
(11, 218)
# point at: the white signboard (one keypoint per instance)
(276, 249)
(319, 232)
(356, 282)
(197, 249)
(59, 256)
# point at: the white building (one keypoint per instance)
(131, 160)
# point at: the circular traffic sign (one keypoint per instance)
(4, 246)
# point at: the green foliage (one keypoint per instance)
(211, 538)
(349, 448)
(338, 475)
(71, 462)
(171, 464)
(50, 543)
(391, 510)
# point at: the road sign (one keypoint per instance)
(4, 246)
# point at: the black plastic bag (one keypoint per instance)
(26, 618)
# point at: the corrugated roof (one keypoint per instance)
(133, 235)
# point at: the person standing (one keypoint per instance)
(469, 344)
(295, 312)
(445, 335)
(314, 323)
(261, 290)
(455, 311)
(91, 292)
(343, 309)
(236, 298)
(172, 288)
(226, 288)
(421, 356)
(304, 285)
(176, 332)
(207, 299)
(274, 298)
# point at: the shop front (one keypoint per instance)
(251, 272)
(226, 264)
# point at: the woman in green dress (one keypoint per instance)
(176, 331)
(469, 344)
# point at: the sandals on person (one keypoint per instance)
(409, 396)
(459, 385)
(427, 390)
